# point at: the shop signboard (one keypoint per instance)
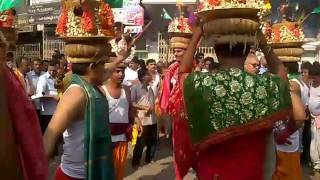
(44, 13)
(22, 23)
(130, 3)
(133, 29)
(53, 8)
(133, 16)
(44, 19)
(37, 2)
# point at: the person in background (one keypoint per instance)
(288, 152)
(213, 68)
(143, 100)
(45, 65)
(142, 64)
(207, 62)
(34, 76)
(292, 69)
(56, 56)
(36, 72)
(306, 134)
(301, 86)
(21, 72)
(119, 101)
(131, 72)
(164, 123)
(199, 61)
(59, 85)
(263, 65)
(119, 29)
(155, 83)
(252, 64)
(9, 60)
(48, 95)
(305, 68)
(314, 108)
(161, 68)
(63, 63)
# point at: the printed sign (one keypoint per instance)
(133, 29)
(133, 16)
(37, 2)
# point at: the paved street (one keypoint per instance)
(160, 169)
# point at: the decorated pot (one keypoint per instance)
(217, 9)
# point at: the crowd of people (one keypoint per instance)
(132, 92)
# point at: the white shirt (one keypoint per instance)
(204, 70)
(45, 86)
(155, 85)
(129, 75)
(304, 92)
(314, 101)
(34, 79)
(118, 112)
(144, 97)
(295, 137)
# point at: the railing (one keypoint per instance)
(29, 50)
(141, 54)
(49, 45)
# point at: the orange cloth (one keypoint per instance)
(21, 78)
(120, 152)
(287, 166)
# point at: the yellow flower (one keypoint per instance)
(267, 6)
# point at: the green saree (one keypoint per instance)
(233, 103)
(98, 146)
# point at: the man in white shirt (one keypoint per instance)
(47, 94)
(131, 73)
(143, 100)
(199, 58)
(155, 83)
(314, 108)
(21, 73)
(119, 101)
(36, 72)
(34, 76)
(207, 62)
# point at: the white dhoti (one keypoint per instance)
(315, 145)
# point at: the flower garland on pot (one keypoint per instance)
(87, 19)
(106, 18)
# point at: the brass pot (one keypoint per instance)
(84, 50)
(296, 52)
(246, 13)
(231, 26)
